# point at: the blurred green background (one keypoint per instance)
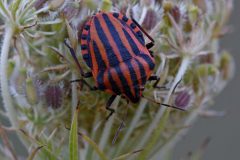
(224, 131)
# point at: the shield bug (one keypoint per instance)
(114, 48)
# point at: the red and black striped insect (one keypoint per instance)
(114, 48)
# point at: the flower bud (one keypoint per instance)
(90, 4)
(195, 83)
(31, 92)
(208, 59)
(11, 66)
(167, 6)
(55, 4)
(182, 99)
(202, 70)
(70, 10)
(187, 26)
(150, 20)
(188, 77)
(21, 79)
(175, 12)
(201, 4)
(54, 96)
(225, 61)
(106, 5)
(159, 2)
(147, 2)
(39, 3)
(193, 13)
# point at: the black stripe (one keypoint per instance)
(133, 45)
(125, 85)
(112, 58)
(100, 62)
(101, 67)
(133, 75)
(100, 80)
(114, 85)
(142, 72)
(149, 61)
(122, 49)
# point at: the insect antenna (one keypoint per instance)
(163, 104)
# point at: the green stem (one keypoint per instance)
(96, 148)
(7, 101)
(156, 133)
(4, 10)
(74, 94)
(132, 125)
(107, 128)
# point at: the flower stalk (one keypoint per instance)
(5, 91)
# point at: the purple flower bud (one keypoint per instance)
(209, 58)
(182, 99)
(70, 10)
(159, 2)
(150, 20)
(39, 3)
(54, 96)
(175, 12)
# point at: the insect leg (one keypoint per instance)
(149, 45)
(94, 88)
(85, 75)
(155, 84)
(108, 106)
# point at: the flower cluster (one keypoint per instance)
(39, 99)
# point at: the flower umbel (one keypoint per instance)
(39, 99)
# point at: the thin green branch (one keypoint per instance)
(5, 12)
(7, 100)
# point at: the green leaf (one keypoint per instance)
(14, 6)
(73, 139)
(95, 147)
(155, 135)
(34, 152)
(127, 155)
